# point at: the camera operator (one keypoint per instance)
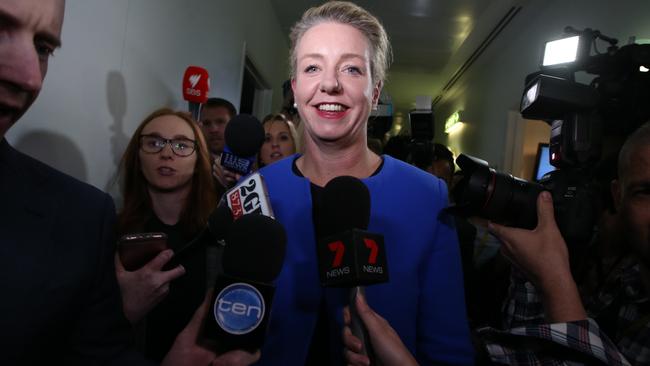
(620, 309)
(612, 327)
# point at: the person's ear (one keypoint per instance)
(376, 92)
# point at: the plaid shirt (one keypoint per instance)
(621, 307)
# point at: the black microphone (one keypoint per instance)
(218, 226)
(348, 255)
(244, 137)
(241, 304)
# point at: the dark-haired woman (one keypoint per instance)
(167, 187)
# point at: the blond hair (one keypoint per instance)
(344, 12)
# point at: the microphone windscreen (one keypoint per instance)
(346, 205)
(254, 248)
(196, 84)
(220, 221)
(244, 135)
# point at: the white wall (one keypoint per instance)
(121, 59)
(493, 85)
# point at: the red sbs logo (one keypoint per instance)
(339, 249)
(196, 84)
(374, 249)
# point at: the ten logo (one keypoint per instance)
(239, 308)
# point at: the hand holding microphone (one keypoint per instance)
(348, 255)
(224, 176)
(241, 304)
(188, 351)
(389, 349)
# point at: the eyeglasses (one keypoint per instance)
(153, 144)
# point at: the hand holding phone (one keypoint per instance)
(136, 250)
(139, 266)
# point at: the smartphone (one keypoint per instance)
(136, 250)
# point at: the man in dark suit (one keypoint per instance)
(59, 298)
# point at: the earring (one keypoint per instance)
(295, 105)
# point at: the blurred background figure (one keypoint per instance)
(280, 139)
(215, 115)
(436, 159)
(167, 187)
(375, 146)
(289, 109)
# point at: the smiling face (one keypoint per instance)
(30, 30)
(333, 87)
(165, 171)
(278, 142)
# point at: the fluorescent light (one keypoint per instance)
(457, 127)
(451, 121)
(561, 51)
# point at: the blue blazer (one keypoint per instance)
(60, 302)
(423, 299)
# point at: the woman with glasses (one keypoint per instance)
(167, 187)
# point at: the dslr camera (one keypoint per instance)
(614, 103)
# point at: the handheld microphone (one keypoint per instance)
(249, 196)
(244, 136)
(196, 86)
(348, 255)
(241, 304)
(219, 223)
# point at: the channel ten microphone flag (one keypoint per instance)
(348, 255)
(196, 87)
(243, 294)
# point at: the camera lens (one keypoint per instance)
(496, 196)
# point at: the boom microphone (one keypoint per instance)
(241, 304)
(348, 255)
(244, 136)
(196, 86)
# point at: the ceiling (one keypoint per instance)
(425, 36)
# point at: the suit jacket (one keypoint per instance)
(60, 302)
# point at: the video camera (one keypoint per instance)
(420, 145)
(615, 103)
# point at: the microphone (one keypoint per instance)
(348, 255)
(249, 196)
(241, 303)
(219, 223)
(196, 86)
(244, 137)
